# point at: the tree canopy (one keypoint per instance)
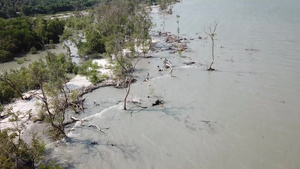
(21, 34)
(14, 8)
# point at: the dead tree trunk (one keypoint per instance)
(212, 34)
(212, 52)
(127, 93)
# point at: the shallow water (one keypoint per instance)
(30, 58)
(243, 115)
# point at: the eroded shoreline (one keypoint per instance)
(245, 114)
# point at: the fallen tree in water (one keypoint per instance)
(91, 88)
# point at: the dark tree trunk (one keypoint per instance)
(128, 91)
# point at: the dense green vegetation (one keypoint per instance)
(14, 151)
(110, 28)
(14, 8)
(24, 34)
(51, 78)
(13, 83)
(17, 81)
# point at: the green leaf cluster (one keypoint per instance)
(122, 24)
(13, 83)
(90, 70)
(15, 152)
(24, 34)
(14, 8)
(51, 77)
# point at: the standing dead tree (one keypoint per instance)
(129, 79)
(127, 91)
(212, 34)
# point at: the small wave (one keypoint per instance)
(102, 112)
(188, 66)
(88, 118)
(159, 77)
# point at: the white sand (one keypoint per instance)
(104, 64)
(155, 40)
(78, 82)
(23, 108)
(155, 9)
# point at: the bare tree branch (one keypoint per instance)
(212, 34)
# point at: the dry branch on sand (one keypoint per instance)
(100, 129)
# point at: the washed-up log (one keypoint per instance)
(100, 129)
(94, 87)
(74, 119)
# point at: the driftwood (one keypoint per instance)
(36, 120)
(168, 64)
(100, 129)
(158, 102)
(176, 43)
(77, 105)
(180, 46)
(28, 97)
(4, 116)
(74, 119)
(172, 39)
(94, 87)
(162, 33)
(147, 78)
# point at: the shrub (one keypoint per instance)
(33, 50)
(5, 56)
